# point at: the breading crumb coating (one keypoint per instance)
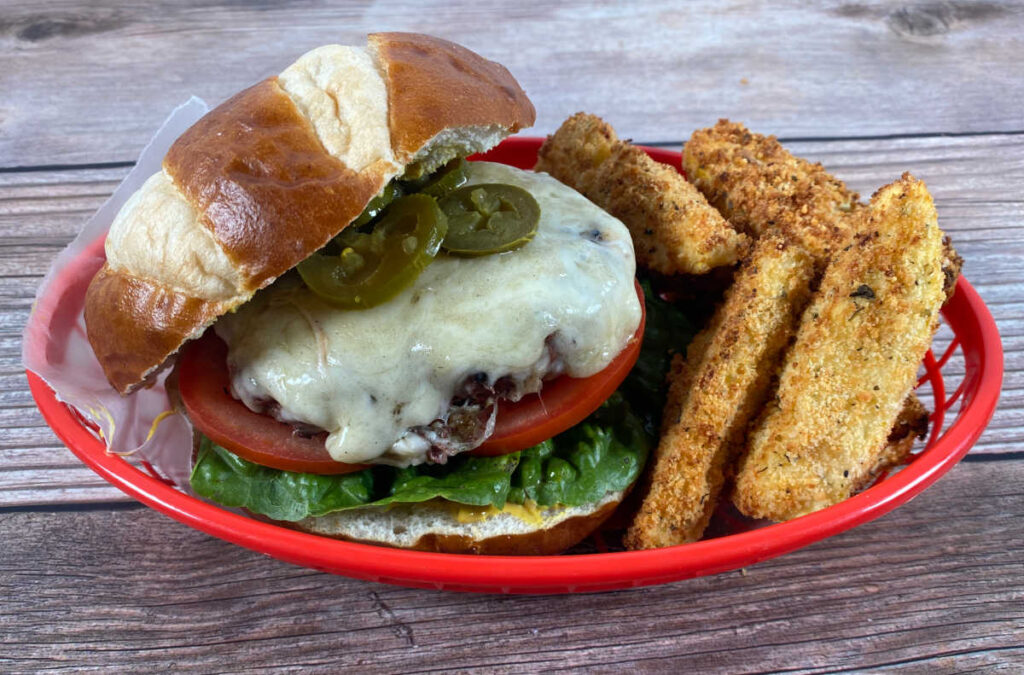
(911, 425)
(762, 188)
(846, 378)
(720, 387)
(674, 229)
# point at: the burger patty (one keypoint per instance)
(414, 379)
(470, 417)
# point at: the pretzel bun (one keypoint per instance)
(272, 174)
(434, 526)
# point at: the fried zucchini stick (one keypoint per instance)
(800, 214)
(854, 362)
(761, 188)
(911, 425)
(674, 229)
(714, 394)
(683, 371)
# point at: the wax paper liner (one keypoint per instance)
(56, 349)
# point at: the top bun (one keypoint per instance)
(272, 174)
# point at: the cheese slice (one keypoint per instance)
(369, 376)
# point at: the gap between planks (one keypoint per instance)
(915, 585)
(127, 164)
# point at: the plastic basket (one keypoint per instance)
(973, 355)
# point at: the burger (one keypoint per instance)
(373, 338)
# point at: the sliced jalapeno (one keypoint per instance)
(374, 267)
(489, 218)
(376, 206)
(446, 179)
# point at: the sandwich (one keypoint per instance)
(373, 338)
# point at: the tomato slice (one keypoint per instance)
(205, 392)
(563, 402)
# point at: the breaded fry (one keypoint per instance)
(951, 265)
(683, 371)
(675, 230)
(761, 188)
(854, 361)
(730, 365)
(582, 143)
(911, 425)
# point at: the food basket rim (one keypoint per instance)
(975, 332)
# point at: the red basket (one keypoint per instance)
(974, 335)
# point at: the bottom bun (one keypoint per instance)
(433, 526)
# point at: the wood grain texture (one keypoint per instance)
(89, 82)
(40, 212)
(90, 581)
(131, 590)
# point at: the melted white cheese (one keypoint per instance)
(368, 376)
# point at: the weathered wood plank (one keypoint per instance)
(131, 590)
(978, 183)
(47, 208)
(86, 82)
(936, 585)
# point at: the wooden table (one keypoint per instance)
(89, 579)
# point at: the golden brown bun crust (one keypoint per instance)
(270, 194)
(143, 323)
(256, 171)
(478, 92)
(550, 541)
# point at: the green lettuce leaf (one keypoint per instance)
(479, 481)
(603, 454)
(227, 479)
